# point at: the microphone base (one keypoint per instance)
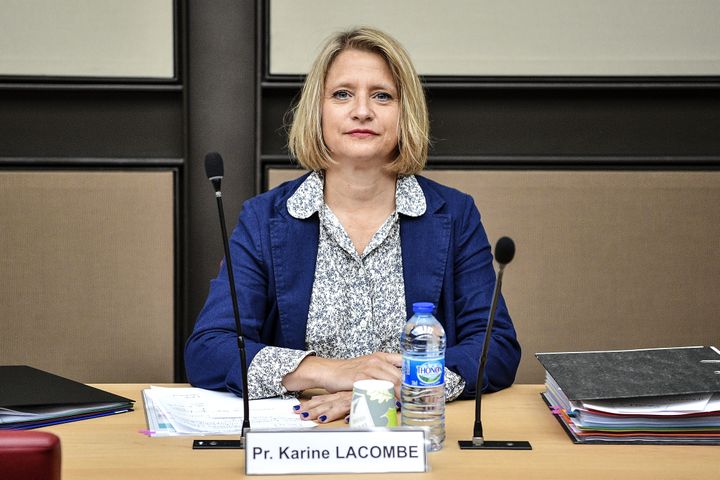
(495, 445)
(219, 444)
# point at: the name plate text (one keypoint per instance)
(323, 450)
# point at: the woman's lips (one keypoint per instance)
(361, 133)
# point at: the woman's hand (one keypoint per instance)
(338, 375)
(325, 408)
(342, 374)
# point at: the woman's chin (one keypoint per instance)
(363, 159)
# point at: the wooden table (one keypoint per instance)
(112, 448)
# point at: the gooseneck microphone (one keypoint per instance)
(504, 253)
(214, 171)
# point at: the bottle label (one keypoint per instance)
(425, 372)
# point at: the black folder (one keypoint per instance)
(634, 373)
(47, 399)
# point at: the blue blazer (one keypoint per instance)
(446, 260)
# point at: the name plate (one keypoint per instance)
(325, 450)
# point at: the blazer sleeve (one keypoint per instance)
(473, 284)
(212, 359)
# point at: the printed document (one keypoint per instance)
(196, 411)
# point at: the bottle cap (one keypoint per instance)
(423, 307)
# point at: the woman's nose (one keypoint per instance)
(362, 110)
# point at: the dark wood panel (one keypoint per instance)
(579, 123)
(275, 119)
(631, 122)
(38, 123)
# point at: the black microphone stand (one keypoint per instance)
(214, 170)
(504, 252)
(236, 312)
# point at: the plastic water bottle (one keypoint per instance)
(423, 369)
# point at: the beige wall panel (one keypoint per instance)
(87, 274)
(604, 260)
(87, 38)
(513, 37)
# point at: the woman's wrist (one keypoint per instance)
(310, 373)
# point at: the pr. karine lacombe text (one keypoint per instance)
(349, 452)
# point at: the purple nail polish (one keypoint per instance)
(296, 407)
(323, 418)
(398, 404)
(305, 414)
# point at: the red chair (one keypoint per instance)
(29, 455)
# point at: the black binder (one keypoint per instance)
(634, 373)
(51, 399)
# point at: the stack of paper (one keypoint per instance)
(658, 396)
(195, 411)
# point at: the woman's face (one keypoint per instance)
(360, 109)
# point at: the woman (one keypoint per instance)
(328, 266)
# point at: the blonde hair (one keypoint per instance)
(305, 139)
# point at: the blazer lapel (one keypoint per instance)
(425, 242)
(294, 246)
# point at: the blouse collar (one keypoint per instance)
(308, 198)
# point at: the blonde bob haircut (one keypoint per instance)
(305, 140)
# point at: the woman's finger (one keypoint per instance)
(326, 408)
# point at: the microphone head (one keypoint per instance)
(504, 250)
(213, 165)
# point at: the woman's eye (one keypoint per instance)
(341, 95)
(383, 96)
